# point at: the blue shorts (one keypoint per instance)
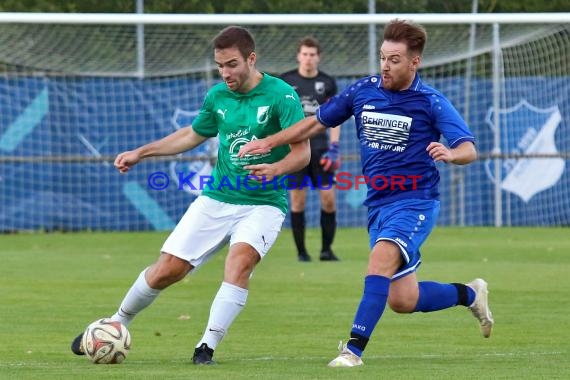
(407, 223)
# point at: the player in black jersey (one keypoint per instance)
(314, 88)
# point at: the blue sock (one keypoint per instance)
(369, 312)
(436, 296)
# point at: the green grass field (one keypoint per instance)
(54, 284)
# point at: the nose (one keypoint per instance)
(224, 73)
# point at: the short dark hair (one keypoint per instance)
(235, 36)
(309, 42)
(412, 34)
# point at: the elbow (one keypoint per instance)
(466, 154)
(473, 155)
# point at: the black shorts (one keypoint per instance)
(313, 174)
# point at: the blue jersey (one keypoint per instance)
(394, 129)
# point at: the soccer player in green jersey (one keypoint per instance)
(237, 207)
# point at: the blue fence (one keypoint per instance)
(45, 121)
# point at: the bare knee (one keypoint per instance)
(404, 294)
(298, 200)
(166, 271)
(240, 263)
(328, 200)
(402, 305)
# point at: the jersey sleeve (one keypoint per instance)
(337, 109)
(289, 109)
(205, 123)
(450, 123)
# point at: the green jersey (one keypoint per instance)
(238, 118)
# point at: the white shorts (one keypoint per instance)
(209, 224)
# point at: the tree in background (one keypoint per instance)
(283, 6)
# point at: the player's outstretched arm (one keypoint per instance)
(460, 155)
(180, 141)
(302, 130)
(296, 160)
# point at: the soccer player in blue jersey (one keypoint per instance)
(399, 122)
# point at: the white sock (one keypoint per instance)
(139, 296)
(228, 303)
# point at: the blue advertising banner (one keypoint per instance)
(59, 135)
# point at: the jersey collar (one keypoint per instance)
(416, 83)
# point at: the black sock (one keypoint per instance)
(328, 229)
(358, 341)
(298, 227)
(462, 297)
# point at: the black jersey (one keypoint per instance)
(312, 92)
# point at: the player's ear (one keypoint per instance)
(251, 58)
(415, 63)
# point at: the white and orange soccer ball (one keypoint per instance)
(106, 341)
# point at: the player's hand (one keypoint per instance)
(126, 160)
(330, 160)
(254, 147)
(440, 152)
(265, 172)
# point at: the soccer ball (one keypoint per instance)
(106, 341)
